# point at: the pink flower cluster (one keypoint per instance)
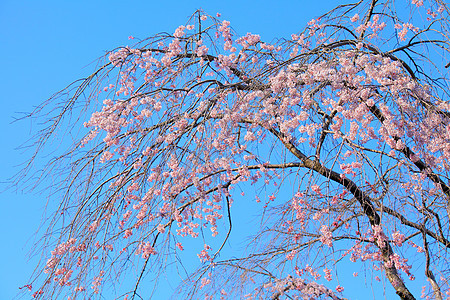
(398, 238)
(96, 283)
(146, 249)
(326, 236)
(328, 275)
(204, 255)
(248, 40)
(417, 3)
(378, 236)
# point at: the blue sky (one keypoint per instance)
(49, 44)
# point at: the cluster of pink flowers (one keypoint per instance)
(204, 255)
(400, 264)
(248, 40)
(398, 238)
(402, 33)
(291, 255)
(326, 236)
(201, 51)
(79, 289)
(355, 18)
(127, 233)
(205, 282)
(179, 32)
(328, 275)
(378, 236)
(61, 249)
(349, 168)
(64, 280)
(417, 3)
(106, 156)
(179, 246)
(118, 57)
(299, 207)
(146, 249)
(316, 189)
(96, 283)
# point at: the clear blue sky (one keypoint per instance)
(48, 44)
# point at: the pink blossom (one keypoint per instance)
(106, 156)
(402, 33)
(146, 249)
(398, 238)
(157, 106)
(161, 228)
(355, 18)
(127, 233)
(179, 32)
(201, 51)
(379, 235)
(339, 289)
(291, 255)
(327, 236)
(328, 275)
(250, 136)
(179, 246)
(315, 188)
(204, 255)
(205, 281)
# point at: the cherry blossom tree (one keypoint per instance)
(338, 138)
